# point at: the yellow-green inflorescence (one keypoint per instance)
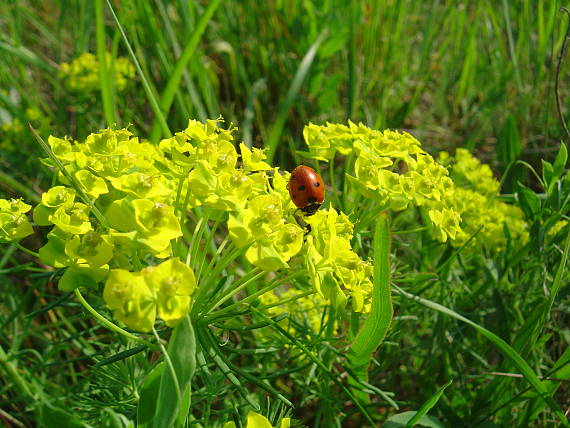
(475, 196)
(255, 420)
(390, 168)
(14, 224)
(459, 196)
(81, 76)
(122, 202)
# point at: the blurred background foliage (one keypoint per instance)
(473, 74)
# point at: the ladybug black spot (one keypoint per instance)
(301, 188)
(316, 184)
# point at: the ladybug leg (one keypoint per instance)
(302, 223)
(299, 220)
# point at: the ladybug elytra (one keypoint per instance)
(306, 189)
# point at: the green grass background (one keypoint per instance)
(476, 74)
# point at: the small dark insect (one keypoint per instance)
(306, 189)
(307, 192)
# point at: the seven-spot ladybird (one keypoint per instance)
(306, 189)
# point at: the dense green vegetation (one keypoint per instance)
(441, 298)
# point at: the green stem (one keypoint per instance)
(20, 383)
(25, 250)
(108, 324)
(248, 299)
(258, 274)
(177, 201)
(212, 248)
(106, 94)
(418, 229)
(169, 364)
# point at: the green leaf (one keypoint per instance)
(426, 407)
(560, 161)
(561, 372)
(81, 276)
(374, 329)
(121, 356)
(112, 419)
(182, 354)
(402, 419)
(148, 396)
(547, 172)
(285, 105)
(54, 417)
(529, 202)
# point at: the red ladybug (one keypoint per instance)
(306, 189)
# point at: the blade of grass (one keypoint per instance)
(501, 345)
(512, 51)
(426, 407)
(149, 93)
(354, 15)
(559, 274)
(181, 64)
(27, 56)
(285, 105)
(104, 76)
(17, 185)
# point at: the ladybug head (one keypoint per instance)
(311, 209)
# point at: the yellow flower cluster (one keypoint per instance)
(475, 198)
(336, 271)
(82, 74)
(14, 224)
(112, 177)
(390, 168)
(468, 172)
(255, 420)
(121, 201)
(137, 298)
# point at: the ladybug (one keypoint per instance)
(306, 189)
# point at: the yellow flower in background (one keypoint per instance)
(467, 171)
(255, 420)
(82, 74)
(474, 195)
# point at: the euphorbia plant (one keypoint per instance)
(156, 228)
